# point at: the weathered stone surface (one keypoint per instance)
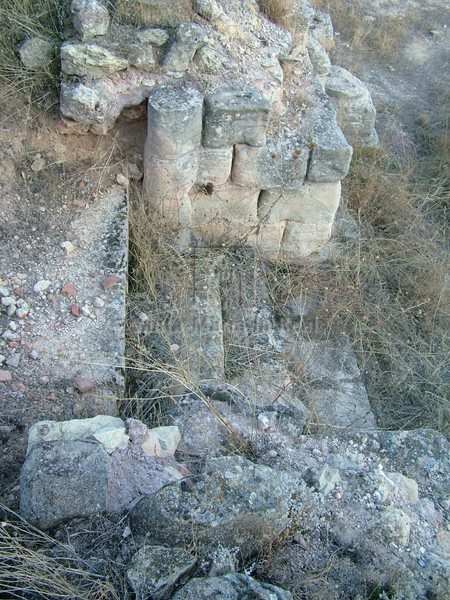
(332, 382)
(188, 39)
(330, 153)
(90, 18)
(234, 502)
(76, 429)
(63, 479)
(311, 203)
(235, 114)
(227, 204)
(208, 61)
(209, 9)
(91, 60)
(98, 103)
(174, 120)
(356, 112)
(318, 56)
(406, 485)
(234, 586)
(112, 438)
(280, 163)
(79, 468)
(161, 441)
(323, 478)
(214, 166)
(154, 13)
(36, 53)
(142, 57)
(154, 570)
(153, 35)
(321, 28)
(167, 182)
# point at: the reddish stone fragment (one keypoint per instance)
(110, 282)
(4, 376)
(75, 310)
(68, 290)
(83, 384)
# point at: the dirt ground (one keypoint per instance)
(51, 191)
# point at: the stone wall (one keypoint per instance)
(249, 127)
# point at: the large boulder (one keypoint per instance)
(82, 467)
(234, 502)
(234, 586)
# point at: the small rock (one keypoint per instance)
(68, 290)
(4, 291)
(134, 172)
(10, 335)
(18, 292)
(157, 37)
(38, 164)
(44, 380)
(19, 386)
(41, 285)
(8, 301)
(75, 310)
(98, 302)
(83, 384)
(208, 9)
(22, 312)
(110, 282)
(13, 361)
(12, 325)
(2, 358)
(122, 180)
(11, 310)
(5, 432)
(4, 376)
(34, 355)
(161, 441)
(36, 53)
(68, 247)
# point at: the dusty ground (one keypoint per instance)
(52, 190)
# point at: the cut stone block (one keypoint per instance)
(167, 179)
(269, 238)
(215, 166)
(280, 163)
(83, 104)
(90, 18)
(235, 114)
(330, 152)
(188, 39)
(141, 56)
(90, 60)
(302, 239)
(310, 203)
(227, 204)
(174, 120)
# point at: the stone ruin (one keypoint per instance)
(248, 135)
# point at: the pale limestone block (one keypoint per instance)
(269, 238)
(228, 204)
(188, 39)
(174, 120)
(112, 438)
(406, 485)
(302, 239)
(76, 429)
(280, 163)
(91, 60)
(161, 441)
(215, 165)
(166, 179)
(235, 114)
(310, 203)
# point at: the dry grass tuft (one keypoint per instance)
(33, 564)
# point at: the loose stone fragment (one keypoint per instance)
(5, 376)
(189, 38)
(154, 36)
(110, 282)
(41, 285)
(90, 18)
(90, 60)
(36, 53)
(68, 290)
(83, 384)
